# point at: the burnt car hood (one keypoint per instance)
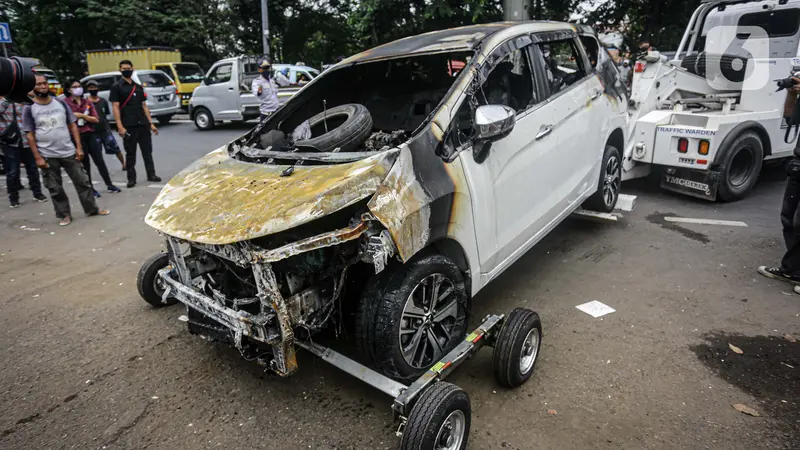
(220, 200)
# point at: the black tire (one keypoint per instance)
(732, 67)
(203, 119)
(164, 120)
(386, 304)
(427, 426)
(517, 348)
(146, 281)
(348, 127)
(739, 165)
(608, 189)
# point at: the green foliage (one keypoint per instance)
(313, 31)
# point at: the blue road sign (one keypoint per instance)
(5, 33)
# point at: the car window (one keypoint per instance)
(509, 83)
(104, 83)
(220, 74)
(303, 77)
(189, 73)
(563, 64)
(780, 23)
(154, 79)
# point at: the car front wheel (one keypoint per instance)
(203, 120)
(411, 315)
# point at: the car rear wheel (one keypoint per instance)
(608, 188)
(739, 166)
(203, 119)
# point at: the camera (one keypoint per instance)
(17, 78)
(786, 83)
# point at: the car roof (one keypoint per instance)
(294, 66)
(117, 73)
(454, 39)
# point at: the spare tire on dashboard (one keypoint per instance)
(348, 126)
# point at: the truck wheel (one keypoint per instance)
(739, 166)
(439, 420)
(517, 348)
(164, 120)
(412, 315)
(607, 194)
(203, 119)
(344, 127)
(151, 288)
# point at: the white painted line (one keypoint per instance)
(596, 309)
(156, 186)
(730, 223)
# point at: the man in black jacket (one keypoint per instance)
(789, 270)
(134, 123)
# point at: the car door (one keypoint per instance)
(223, 97)
(512, 187)
(573, 125)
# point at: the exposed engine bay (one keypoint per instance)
(360, 109)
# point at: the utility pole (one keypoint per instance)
(265, 27)
(516, 10)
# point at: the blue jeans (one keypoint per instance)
(14, 156)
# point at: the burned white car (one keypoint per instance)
(389, 191)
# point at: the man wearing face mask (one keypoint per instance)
(103, 129)
(265, 88)
(134, 123)
(54, 140)
(84, 111)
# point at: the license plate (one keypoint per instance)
(701, 184)
(185, 102)
(162, 98)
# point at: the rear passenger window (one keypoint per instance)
(154, 79)
(563, 64)
(780, 23)
(104, 83)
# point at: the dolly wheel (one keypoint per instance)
(151, 287)
(517, 348)
(439, 420)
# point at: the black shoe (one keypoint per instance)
(113, 189)
(131, 184)
(40, 198)
(96, 194)
(777, 274)
(154, 179)
(15, 203)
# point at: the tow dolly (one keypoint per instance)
(434, 414)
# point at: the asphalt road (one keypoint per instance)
(87, 364)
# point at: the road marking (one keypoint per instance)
(596, 309)
(156, 186)
(730, 223)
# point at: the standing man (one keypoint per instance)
(134, 123)
(789, 270)
(103, 129)
(84, 111)
(51, 131)
(16, 150)
(265, 88)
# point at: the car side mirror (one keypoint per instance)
(492, 123)
(206, 81)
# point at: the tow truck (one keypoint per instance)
(706, 121)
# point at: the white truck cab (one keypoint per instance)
(225, 92)
(710, 118)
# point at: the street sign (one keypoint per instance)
(5, 33)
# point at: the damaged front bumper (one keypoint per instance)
(265, 320)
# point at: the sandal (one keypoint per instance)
(100, 212)
(65, 221)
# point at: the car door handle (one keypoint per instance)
(596, 95)
(230, 88)
(544, 131)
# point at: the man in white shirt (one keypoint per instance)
(265, 88)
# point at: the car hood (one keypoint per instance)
(220, 200)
